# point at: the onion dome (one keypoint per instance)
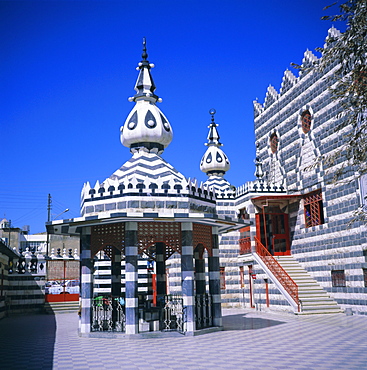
(146, 127)
(214, 161)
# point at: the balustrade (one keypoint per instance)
(277, 270)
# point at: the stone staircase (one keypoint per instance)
(61, 307)
(314, 299)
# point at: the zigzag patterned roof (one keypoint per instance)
(143, 165)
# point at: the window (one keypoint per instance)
(242, 277)
(338, 278)
(314, 214)
(274, 141)
(306, 121)
(365, 277)
(222, 277)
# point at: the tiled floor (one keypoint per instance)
(251, 340)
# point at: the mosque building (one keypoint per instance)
(285, 241)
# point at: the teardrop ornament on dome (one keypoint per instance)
(209, 158)
(133, 121)
(150, 120)
(165, 123)
(219, 158)
(226, 158)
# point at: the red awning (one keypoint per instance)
(279, 197)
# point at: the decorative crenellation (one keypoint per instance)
(258, 187)
(289, 79)
(133, 185)
(271, 96)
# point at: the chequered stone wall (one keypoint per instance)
(305, 159)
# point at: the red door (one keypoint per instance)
(272, 229)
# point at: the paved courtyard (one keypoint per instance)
(251, 340)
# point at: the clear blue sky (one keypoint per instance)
(68, 67)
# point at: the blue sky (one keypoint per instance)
(68, 67)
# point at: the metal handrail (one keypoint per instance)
(245, 245)
(278, 271)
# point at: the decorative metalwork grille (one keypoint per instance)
(108, 314)
(150, 233)
(63, 270)
(173, 314)
(306, 121)
(203, 311)
(313, 209)
(245, 245)
(338, 278)
(282, 276)
(107, 236)
(202, 234)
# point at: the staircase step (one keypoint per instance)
(314, 299)
(61, 307)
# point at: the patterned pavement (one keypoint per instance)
(251, 340)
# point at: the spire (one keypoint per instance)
(146, 127)
(144, 85)
(213, 136)
(214, 161)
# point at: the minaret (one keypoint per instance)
(146, 128)
(214, 162)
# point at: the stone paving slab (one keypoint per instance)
(250, 340)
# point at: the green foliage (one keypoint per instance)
(348, 52)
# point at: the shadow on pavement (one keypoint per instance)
(240, 322)
(27, 341)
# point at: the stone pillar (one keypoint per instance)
(116, 274)
(214, 279)
(187, 275)
(160, 270)
(199, 273)
(131, 277)
(86, 281)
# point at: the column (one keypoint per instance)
(160, 270)
(116, 273)
(199, 273)
(214, 279)
(86, 281)
(131, 277)
(187, 275)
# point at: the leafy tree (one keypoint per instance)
(348, 52)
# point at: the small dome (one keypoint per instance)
(214, 162)
(146, 126)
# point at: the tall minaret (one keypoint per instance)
(146, 128)
(214, 162)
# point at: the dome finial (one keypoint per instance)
(144, 55)
(213, 136)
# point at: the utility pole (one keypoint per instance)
(49, 202)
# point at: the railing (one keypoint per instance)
(173, 313)
(245, 245)
(108, 314)
(280, 274)
(203, 311)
